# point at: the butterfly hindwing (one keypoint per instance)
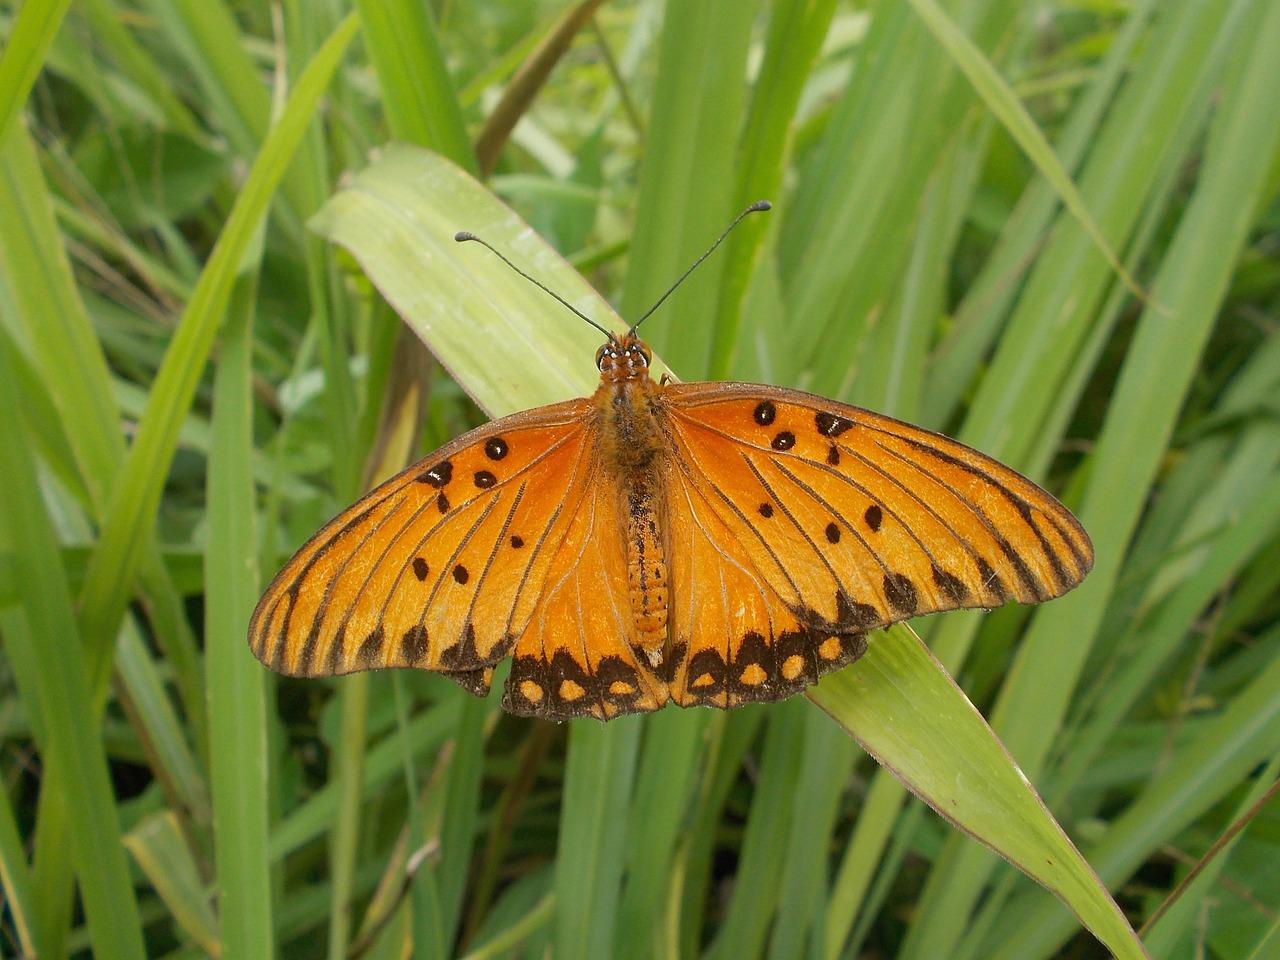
(859, 520)
(736, 635)
(578, 653)
(441, 566)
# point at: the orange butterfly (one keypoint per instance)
(706, 543)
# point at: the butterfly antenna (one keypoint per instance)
(462, 236)
(756, 207)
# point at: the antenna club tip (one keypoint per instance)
(462, 236)
(760, 205)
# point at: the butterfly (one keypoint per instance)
(710, 544)
(705, 543)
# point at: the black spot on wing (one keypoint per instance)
(619, 683)
(874, 517)
(831, 425)
(437, 476)
(413, 645)
(706, 676)
(901, 593)
(537, 688)
(464, 655)
(753, 672)
(851, 616)
(952, 587)
(475, 682)
(991, 581)
(369, 653)
(850, 647)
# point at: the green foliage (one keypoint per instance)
(192, 376)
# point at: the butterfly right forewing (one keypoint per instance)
(863, 520)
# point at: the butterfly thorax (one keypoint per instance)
(628, 404)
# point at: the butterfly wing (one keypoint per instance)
(734, 637)
(822, 521)
(442, 566)
(577, 655)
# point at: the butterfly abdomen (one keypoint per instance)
(647, 574)
(628, 405)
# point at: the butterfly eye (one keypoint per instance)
(604, 348)
(643, 349)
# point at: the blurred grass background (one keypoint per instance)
(191, 381)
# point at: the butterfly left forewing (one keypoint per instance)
(859, 520)
(438, 568)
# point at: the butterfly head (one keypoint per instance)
(623, 358)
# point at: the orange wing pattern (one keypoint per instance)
(813, 522)
(734, 638)
(578, 654)
(791, 526)
(442, 566)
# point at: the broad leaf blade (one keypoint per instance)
(905, 710)
(509, 344)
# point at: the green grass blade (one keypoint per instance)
(30, 37)
(313, 817)
(1181, 916)
(986, 302)
(687, 180)
(348, 774)
(15, 875)
(160, 849)
(1157, 371)
(109, 579)
(142, 69)
(236, 684)
(1245, 733)
(796, 32)
(826, 763)
(40, 286)
(205, 35)
(461, 818)
(49, 666)
(38, 280)
(419, 97)
(1004, 103)
(950, 758)
(669, 774)
(145, 699)
(745, 929)
(1057, 311)
(508, 343)
(598, 782)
